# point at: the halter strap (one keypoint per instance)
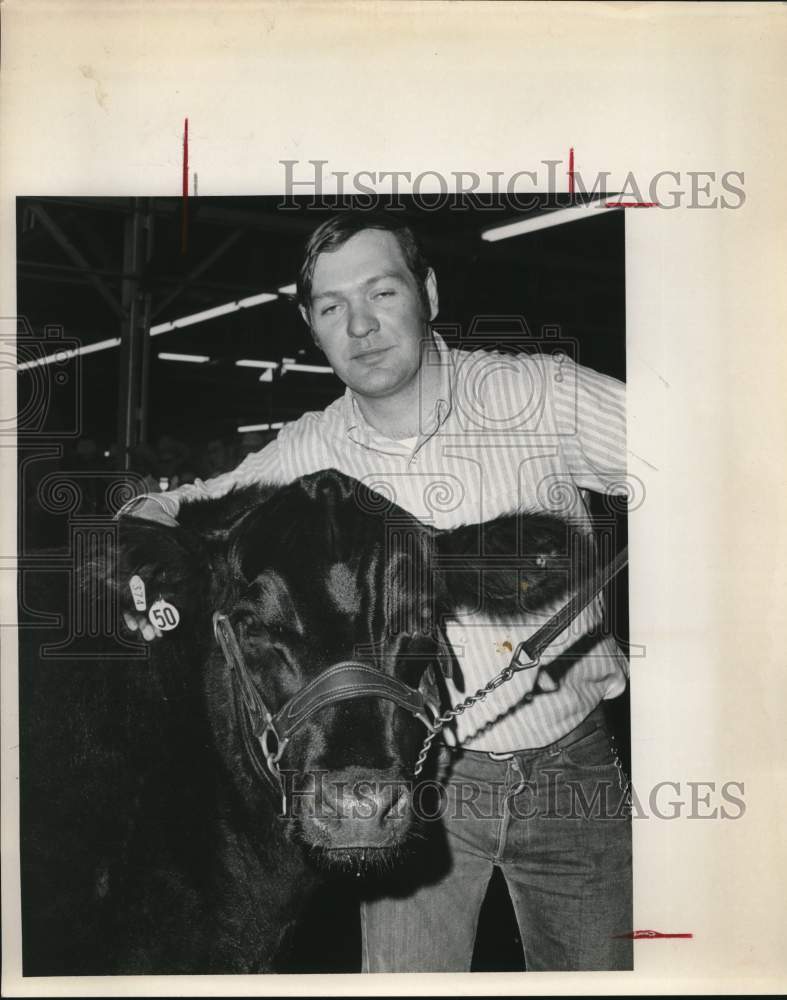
(342, 682)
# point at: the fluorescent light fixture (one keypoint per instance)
(252, 363)
(289, 289)
(261, 427)
(257, 300)
(546, 220)
(197, 359)
(314, 369)
(200, 317)
(206, 314)
(72, 352)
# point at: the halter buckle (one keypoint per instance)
(431, 724)
(516, 665)
(272, 757)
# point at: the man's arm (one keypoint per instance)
(260, 466)
(590, 412)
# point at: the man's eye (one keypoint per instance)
(384, 293)
(327, 310)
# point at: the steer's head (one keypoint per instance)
(310, 576)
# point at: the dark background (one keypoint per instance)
(563, 285)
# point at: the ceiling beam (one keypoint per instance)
(73, 253)
(200, 269)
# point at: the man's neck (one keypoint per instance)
(401, 414)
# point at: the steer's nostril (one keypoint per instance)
(349, 810)
(376, 802)
(398, 807)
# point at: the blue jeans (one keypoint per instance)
(555, 821)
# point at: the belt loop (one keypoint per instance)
(514, 766)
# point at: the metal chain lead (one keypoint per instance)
(532, 647)
(505, 675)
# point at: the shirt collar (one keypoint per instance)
(436, 353)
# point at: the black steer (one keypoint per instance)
(153, 834)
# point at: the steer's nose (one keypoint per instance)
(350, 811)
(378, 802)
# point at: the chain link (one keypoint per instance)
(505, 675)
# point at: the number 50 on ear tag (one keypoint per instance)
(164, 615)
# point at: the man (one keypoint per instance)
(461, 437)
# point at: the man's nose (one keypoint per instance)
(361, 321)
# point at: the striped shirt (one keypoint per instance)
(508, 432)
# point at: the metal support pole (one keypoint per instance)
(134, 349)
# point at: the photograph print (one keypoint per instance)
(323, 595)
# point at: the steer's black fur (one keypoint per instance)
(149, 845)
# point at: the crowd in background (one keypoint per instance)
(91, 468)
(168, 462)
(171, 462)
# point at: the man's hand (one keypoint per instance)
(149, 509)
(138, 622)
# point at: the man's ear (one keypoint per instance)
(431, 293)
(306, 319)
(515, 563)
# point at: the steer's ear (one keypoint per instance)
(173, 566)
(515, 563)
(186, 564)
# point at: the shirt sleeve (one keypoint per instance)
(590, 414)
(263, 466)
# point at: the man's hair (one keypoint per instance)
(336, 231)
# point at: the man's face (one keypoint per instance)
(367, 313)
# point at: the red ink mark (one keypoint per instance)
(571, 171)
(184, 236)
(631, 204)
(643, 935)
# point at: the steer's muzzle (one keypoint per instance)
(353, 809)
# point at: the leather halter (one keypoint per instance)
(343, 681)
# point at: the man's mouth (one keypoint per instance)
(371, 355)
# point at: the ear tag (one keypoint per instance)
(164, 615)
(137, 587)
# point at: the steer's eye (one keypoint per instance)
(426, 618)
(254, 627)
(247, 620)
(249, 626)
